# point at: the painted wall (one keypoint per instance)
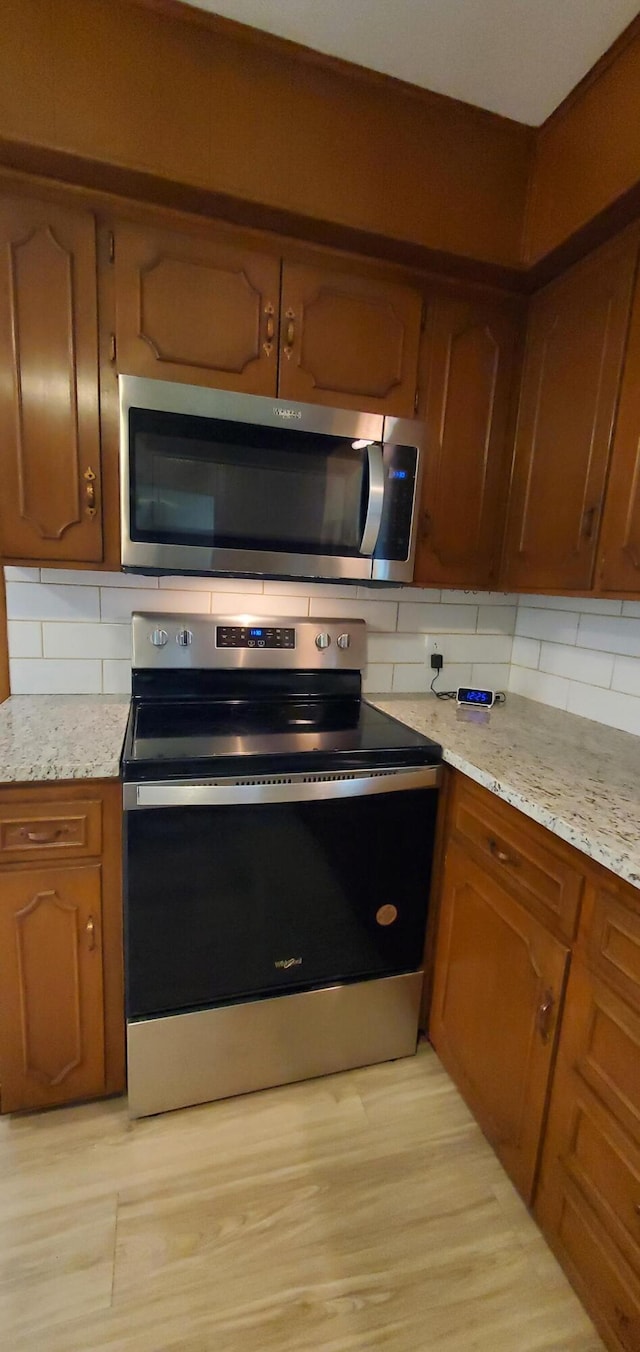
(69, 631)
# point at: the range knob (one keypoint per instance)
(184, 638)
(159, 637)
(344, 640)
(323, 641)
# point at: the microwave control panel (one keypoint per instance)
(394, 538)
(254, 636)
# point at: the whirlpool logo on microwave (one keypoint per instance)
(285, 963)
(287, 412)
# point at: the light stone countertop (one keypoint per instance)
(578, 778)
(51, 737)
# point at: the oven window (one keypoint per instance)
(221, 484)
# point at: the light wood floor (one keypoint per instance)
(361, 1211)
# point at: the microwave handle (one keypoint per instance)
(376, 499)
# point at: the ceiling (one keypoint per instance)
(516, 57)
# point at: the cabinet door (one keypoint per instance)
(573, 362)
(49, 415)
(498, 984)
(588, 1201)
(471, 352)
(619, 551)
(52, 1013)
(347, 341)
(191, 309)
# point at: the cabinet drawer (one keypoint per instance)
(520, 854)
(610, 937)
(601, 1043)
(49, 830)
(608, 1287)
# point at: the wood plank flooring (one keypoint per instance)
(347, 1214)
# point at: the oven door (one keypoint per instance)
(219, 482)
(243, 891)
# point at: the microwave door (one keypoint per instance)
(373, 517)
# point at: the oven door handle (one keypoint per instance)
(373, 518)
(136, 796)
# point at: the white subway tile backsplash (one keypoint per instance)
(579, 664)
(490, 675)
(398, 648)
(69, 632)
(12, 574)
(438, 618)
(379, 615)
(25, 638)
(33, 601)
(586, 605)
(116, 677)
(40, 676)
(496, 619)
(221, 584)
(117, 603)
(612, 634)
(605, 706)
(558, 626)
(378, 678)
(540, 686)
(62, 640)
(525, 652)
(626, 675)
(477, 648)
(84, 577)
(410, 677)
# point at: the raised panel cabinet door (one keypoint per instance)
(49, 412)
(348, 341)
(52, 1011)
(195, 310)
(499, 980)
(572, 367)
(471, 349)
(619, 548)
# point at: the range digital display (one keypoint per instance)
(237, 636)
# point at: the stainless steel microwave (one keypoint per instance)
(235, 484)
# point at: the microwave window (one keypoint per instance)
(243, 486)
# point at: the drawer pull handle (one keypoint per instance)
(91, 933)
(501, 855)
(43, 837)
(290, 338)
(90, 492)
(545, 1016)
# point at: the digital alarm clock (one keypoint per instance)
(472, 698)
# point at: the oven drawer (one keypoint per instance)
(52, 829)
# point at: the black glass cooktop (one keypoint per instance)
(171, 738)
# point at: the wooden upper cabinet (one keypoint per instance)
(52, 1048)
(49, 412)
(348, 341)
(192, 309)
(470, 351)
(573, 362)
(619, 550)
(499, 978)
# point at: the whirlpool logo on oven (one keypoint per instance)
(287, 412)
(285, 963)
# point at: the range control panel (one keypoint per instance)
(254, 636)
(201, 642)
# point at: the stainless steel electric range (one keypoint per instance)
(278, 845)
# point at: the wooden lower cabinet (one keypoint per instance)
(61, 1014)
(499, 983)
(518, 910)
